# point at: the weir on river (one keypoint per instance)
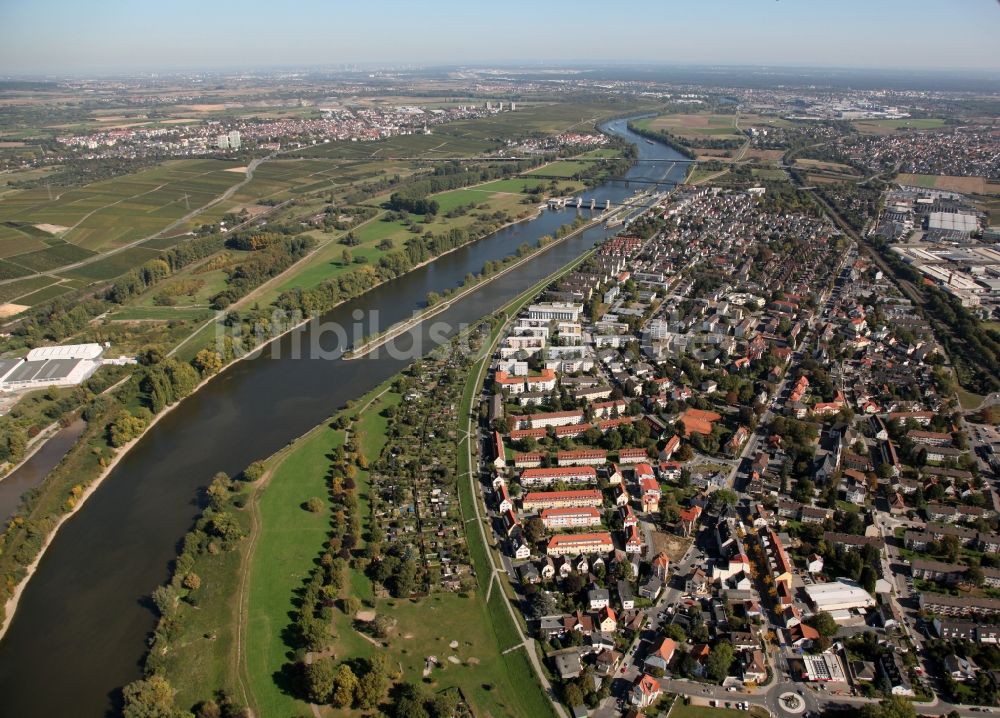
(80, 631)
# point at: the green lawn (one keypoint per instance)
(769, 174)
(203, 653)
(561, 168)
(289, 541)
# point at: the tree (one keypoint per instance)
(207, 362)
(534, 529)
(409, 702)
(166, 600)
(724, 497)
(975, 576)
(719, 661)
(254, 471)
(208, 709)
(892, 707)
(824, 623)
(574, 696)
(541, 603)
(345, 257)
(124, 428)
(675, 632)
(320, 680)
(152, 697)
(372, 684)
(868, 579)
(314, 505)
(17, 443)
(346, 684)
(192, 581)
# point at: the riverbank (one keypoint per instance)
(394, 331)
(110, 555)
(35, 443)
(13, 601)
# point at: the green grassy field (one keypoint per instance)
(140, 313)
(288, 542)
(560, 169)
(694, 126)
(203, 656)
(883, 126)
(769, 174)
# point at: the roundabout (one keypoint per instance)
(791, 703)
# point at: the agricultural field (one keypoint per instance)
(109, 213)
(825, 166)
(23, 287)
(696, 126)
(114, 265)
(45, 260)
(884, 127)
(965, 185)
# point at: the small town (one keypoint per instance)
(766, 496)
(548, 360)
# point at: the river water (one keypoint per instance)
(81, 629)
(31, 473)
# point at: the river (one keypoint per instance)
(80, 631)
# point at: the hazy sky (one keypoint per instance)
(38, 36)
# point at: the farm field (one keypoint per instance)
(44, 295)
(50, 258)
(23, 287)
(967, 185)
(114, 265)
(882, 127)
(825, 166)
(695, 126)
(109, 213)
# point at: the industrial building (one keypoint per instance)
(838, 598)
(66, 365)
(952, 222)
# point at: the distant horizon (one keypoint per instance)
(114, 37)
(523, 66)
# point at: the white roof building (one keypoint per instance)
(66, 351)
(838, 595)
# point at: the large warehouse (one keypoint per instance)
(50, 366)
(838, 596)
